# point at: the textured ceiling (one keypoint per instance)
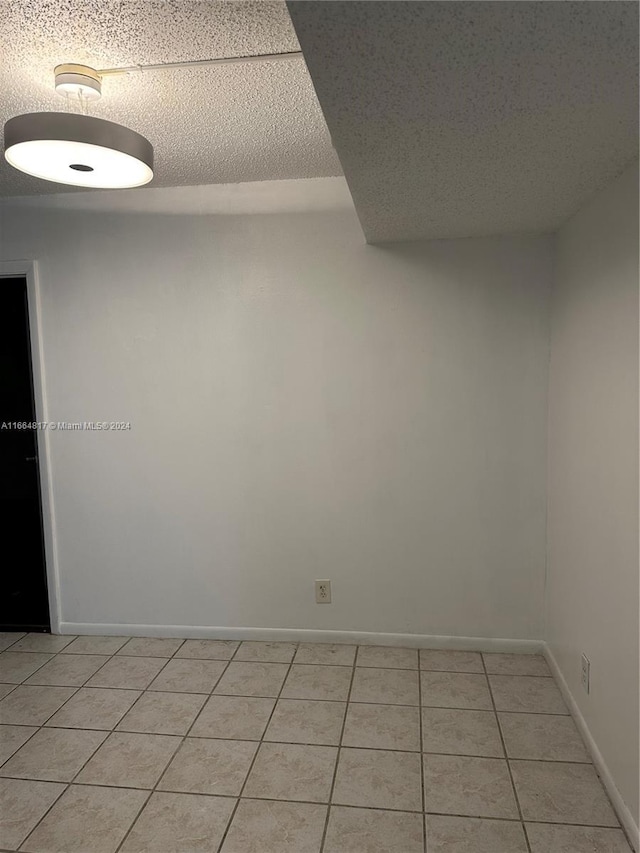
(473, 118)
(225, 124)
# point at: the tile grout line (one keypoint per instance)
(37, 824)
(484, 757)
(43, 725)
(339, 751)
(135, 819)
(17, 639)
(36, 725)
(261, 741)
(35, 671)
(254, 696)
(504, 748)
(77, 689)
(177, 749)
(435, 813)
(423, 792)
(68, 784)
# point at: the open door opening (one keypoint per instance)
(24, 599)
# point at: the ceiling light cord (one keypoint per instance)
(84, 103)
(78, 103)
(195, 63)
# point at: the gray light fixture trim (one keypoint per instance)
(73, 127)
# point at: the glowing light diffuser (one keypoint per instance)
(80, 150)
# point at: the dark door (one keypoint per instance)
(24, 604)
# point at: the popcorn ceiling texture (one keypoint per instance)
(474, 118)
(212, 125)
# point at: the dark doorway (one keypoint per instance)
(24, 603)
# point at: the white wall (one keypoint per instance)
(302, 406)
(592, 587)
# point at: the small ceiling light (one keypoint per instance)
(78, 149)
(78, 81)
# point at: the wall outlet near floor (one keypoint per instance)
(586, 673)
(323, 592)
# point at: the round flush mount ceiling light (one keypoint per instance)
(80, 150)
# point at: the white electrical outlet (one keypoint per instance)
(586, 673)
(323, 592)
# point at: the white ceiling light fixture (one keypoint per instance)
(79, 150)
(75, 148)
(83, 151)
(78, 81)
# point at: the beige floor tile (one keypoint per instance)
(382, 727)
(285, 771)
(189, 676)
(95, 645)
(306, 721)
(547, 838)
(379, 779)
(455, 690)
(94, 708)
(8, 638)
(203, 766)
(527, 694)
(334, 654)
(12, 738)
(387, 657)
(252, 679)
(561, 793)
(68, 670)
(309, 681)
(53, 755)
(132, 673)
(498, 664)
(260, 826)
(475, 835)
(32, 706)
(385, 686)
(459, 785)
(15, 667)
(42, 643)
(456, 732)
(542, 737)
(369, 831)
(5, 689)
(266, 652)
(130, 760)
(87, 819)
(179, 823)
(22, 804)
(447, 660)
(151, 647)
(235, 717)
(163, 713)
(207, 649)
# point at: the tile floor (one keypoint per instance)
(185, 746)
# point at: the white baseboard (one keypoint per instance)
(419, 641)
(621, 809)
